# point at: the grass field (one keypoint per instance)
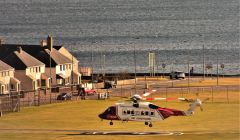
(63, 120)
(213, 82)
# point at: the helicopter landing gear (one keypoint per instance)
(150, 125)
(146, 123)
(111, 123)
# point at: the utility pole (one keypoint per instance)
(217, 66)
(188, 68)
(50, 81)
(72, 72)
(92, 63)
(135, 70)
(203, 49)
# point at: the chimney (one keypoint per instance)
(19, 49)
(43, 43)
(49, 42)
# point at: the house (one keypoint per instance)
(62, 67)
(28, 69)
(8, 82)
(76, 74)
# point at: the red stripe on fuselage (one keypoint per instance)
(167, 112)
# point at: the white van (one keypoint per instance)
(177, 75)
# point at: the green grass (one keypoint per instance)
(220, 120)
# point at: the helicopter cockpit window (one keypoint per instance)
(110, 110)
(152, 106)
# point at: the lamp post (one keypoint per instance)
(92, 62)
(217, 66)
(50, 81)
(203, 49)
(135, 68)
(217, 45)
(72, 72)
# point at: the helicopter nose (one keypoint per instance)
(101, 116)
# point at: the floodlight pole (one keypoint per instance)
(217, 67)
(203, 49)
(92, 62)
(72, 71)
(135, 70)
(50, 82)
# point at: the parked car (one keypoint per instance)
(177, 75)
(110, 84)
(64, 96)
(90, 91)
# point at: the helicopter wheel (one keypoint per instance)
(150, 125)
(111, 123)
(146, 123)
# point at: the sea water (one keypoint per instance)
(106, 34)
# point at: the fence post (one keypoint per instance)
(11, 97)
(227, 96)
(28, 98)
(212, 94)
(18, 100)
(39, 96)
(166, 93)
(1, 112)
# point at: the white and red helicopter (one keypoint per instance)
(145, 111)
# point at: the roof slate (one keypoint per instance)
(20, 61)
(4, 66)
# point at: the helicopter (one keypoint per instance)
(146, 112)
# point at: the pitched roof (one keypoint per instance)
(37, 51)
(4, 66)
(20, 60)
(33, 50)
(58, 57)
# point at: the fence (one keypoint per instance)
(216, 94)
(14, 101)
(10, 103)
(221, 94)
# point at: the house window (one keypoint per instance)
(12, 86)
(63, 67)
(60, 67)
(70, 66)
(39, 69)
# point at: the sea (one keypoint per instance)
(115, 36)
